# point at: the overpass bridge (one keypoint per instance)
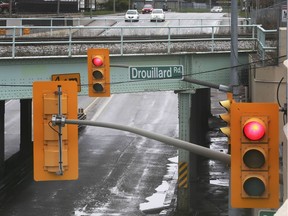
(21, 65)
(36, 52)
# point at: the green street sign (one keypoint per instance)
(156, 72)
(266, 213)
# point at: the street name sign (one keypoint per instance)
(156, 72)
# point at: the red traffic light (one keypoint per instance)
(254, 155)
(97, 61)
(254, 129)
(98, 65)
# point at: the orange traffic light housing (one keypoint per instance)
(46, 136)
(98, 63)
(254, 155)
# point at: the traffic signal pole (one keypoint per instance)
(285, 150)
(220, 87)
(59, 93)
(206, 152)
(234, 80)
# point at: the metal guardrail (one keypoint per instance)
(263, 47)
(68, 38)
(77, 21)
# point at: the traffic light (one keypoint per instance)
(98, 72)
(254, 155)
(54, 160)
(226, 116)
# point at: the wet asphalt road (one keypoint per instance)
(117, 170)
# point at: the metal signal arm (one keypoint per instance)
(206, 152)
(208, 84)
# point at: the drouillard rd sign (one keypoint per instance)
(156, 72)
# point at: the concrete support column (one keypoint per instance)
(2, 138)
(194, 110)
(26, 127)
(183, 192)
(200, 111)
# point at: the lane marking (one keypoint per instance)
(102, 107)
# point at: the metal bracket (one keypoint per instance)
(59, 120)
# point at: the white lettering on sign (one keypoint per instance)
(153, 73)
(156, 72)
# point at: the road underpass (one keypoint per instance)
(20, 73)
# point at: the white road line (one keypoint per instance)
(103, 106)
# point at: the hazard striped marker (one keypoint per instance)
(183, 175)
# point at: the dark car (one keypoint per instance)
(4, 7)
(147, 8)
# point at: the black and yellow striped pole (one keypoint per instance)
(183, 175)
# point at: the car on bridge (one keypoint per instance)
(131, 15)
(147, 8)
(216, 9)
(157, 15)
(4, 7)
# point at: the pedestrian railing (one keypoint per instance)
(72, 41)
(265, 46)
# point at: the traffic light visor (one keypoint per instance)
(226, 104)
(226, 131)
(225, 117)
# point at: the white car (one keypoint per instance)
(131, 15)
(157, 15)
(216, 9)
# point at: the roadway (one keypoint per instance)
(12, 123)
(12, 127)
(147, 28)
(171, 19)
(117, 170)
